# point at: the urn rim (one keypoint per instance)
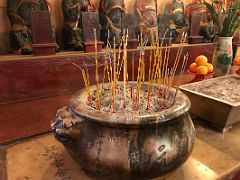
(80, 108)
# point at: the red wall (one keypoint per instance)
(33, 88)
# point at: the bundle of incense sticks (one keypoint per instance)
(159, 72)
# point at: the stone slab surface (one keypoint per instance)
(45, 158)
(215, 156)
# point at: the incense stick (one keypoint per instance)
(86, 82)
(87, 73)
(119, 69)
(179, 53)
(149, 78)
(185, 60)
(124, 70)
(96, 75)
(132, 86)
(138, 83)
(108, 73)
(114, 73)
(104, 74)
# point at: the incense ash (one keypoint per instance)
(158, 100)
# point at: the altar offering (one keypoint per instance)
(126, 129)
(126, 144)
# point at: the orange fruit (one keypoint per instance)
(193, 67)
(201, 60)
(238, 61)
(210, 67)
(203, 70)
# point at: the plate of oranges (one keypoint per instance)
(201, 67)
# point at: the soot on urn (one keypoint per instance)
(19, 12)
(72, 29)
(110, 18)
(146, 13)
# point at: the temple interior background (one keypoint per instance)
(57, 16)
(33, 88)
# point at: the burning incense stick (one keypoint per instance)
(142, 59)
(132, 86)
(159, 73)
(154, 68)
(119, 66)
(111, 69)
(165, 66)
(169, 50)
(104, 74)
(114, 62)
(149, 77)
(184, 35)
(167, 87)
(138, 83)
(114, 73)
(107, 54)
(150, 65)
(87, 73)
(185, 60)
(86, 81)
(96, 75)
(108, 73)
(124, 69)
(155, 63)
(119, 57)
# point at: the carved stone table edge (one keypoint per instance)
(230, 174)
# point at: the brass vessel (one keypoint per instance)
(114, 146)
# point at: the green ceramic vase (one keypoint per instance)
(222, 57)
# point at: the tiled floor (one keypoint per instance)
(215, 155)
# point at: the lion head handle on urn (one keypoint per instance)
(66, 126)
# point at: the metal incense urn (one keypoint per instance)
(126, 146)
